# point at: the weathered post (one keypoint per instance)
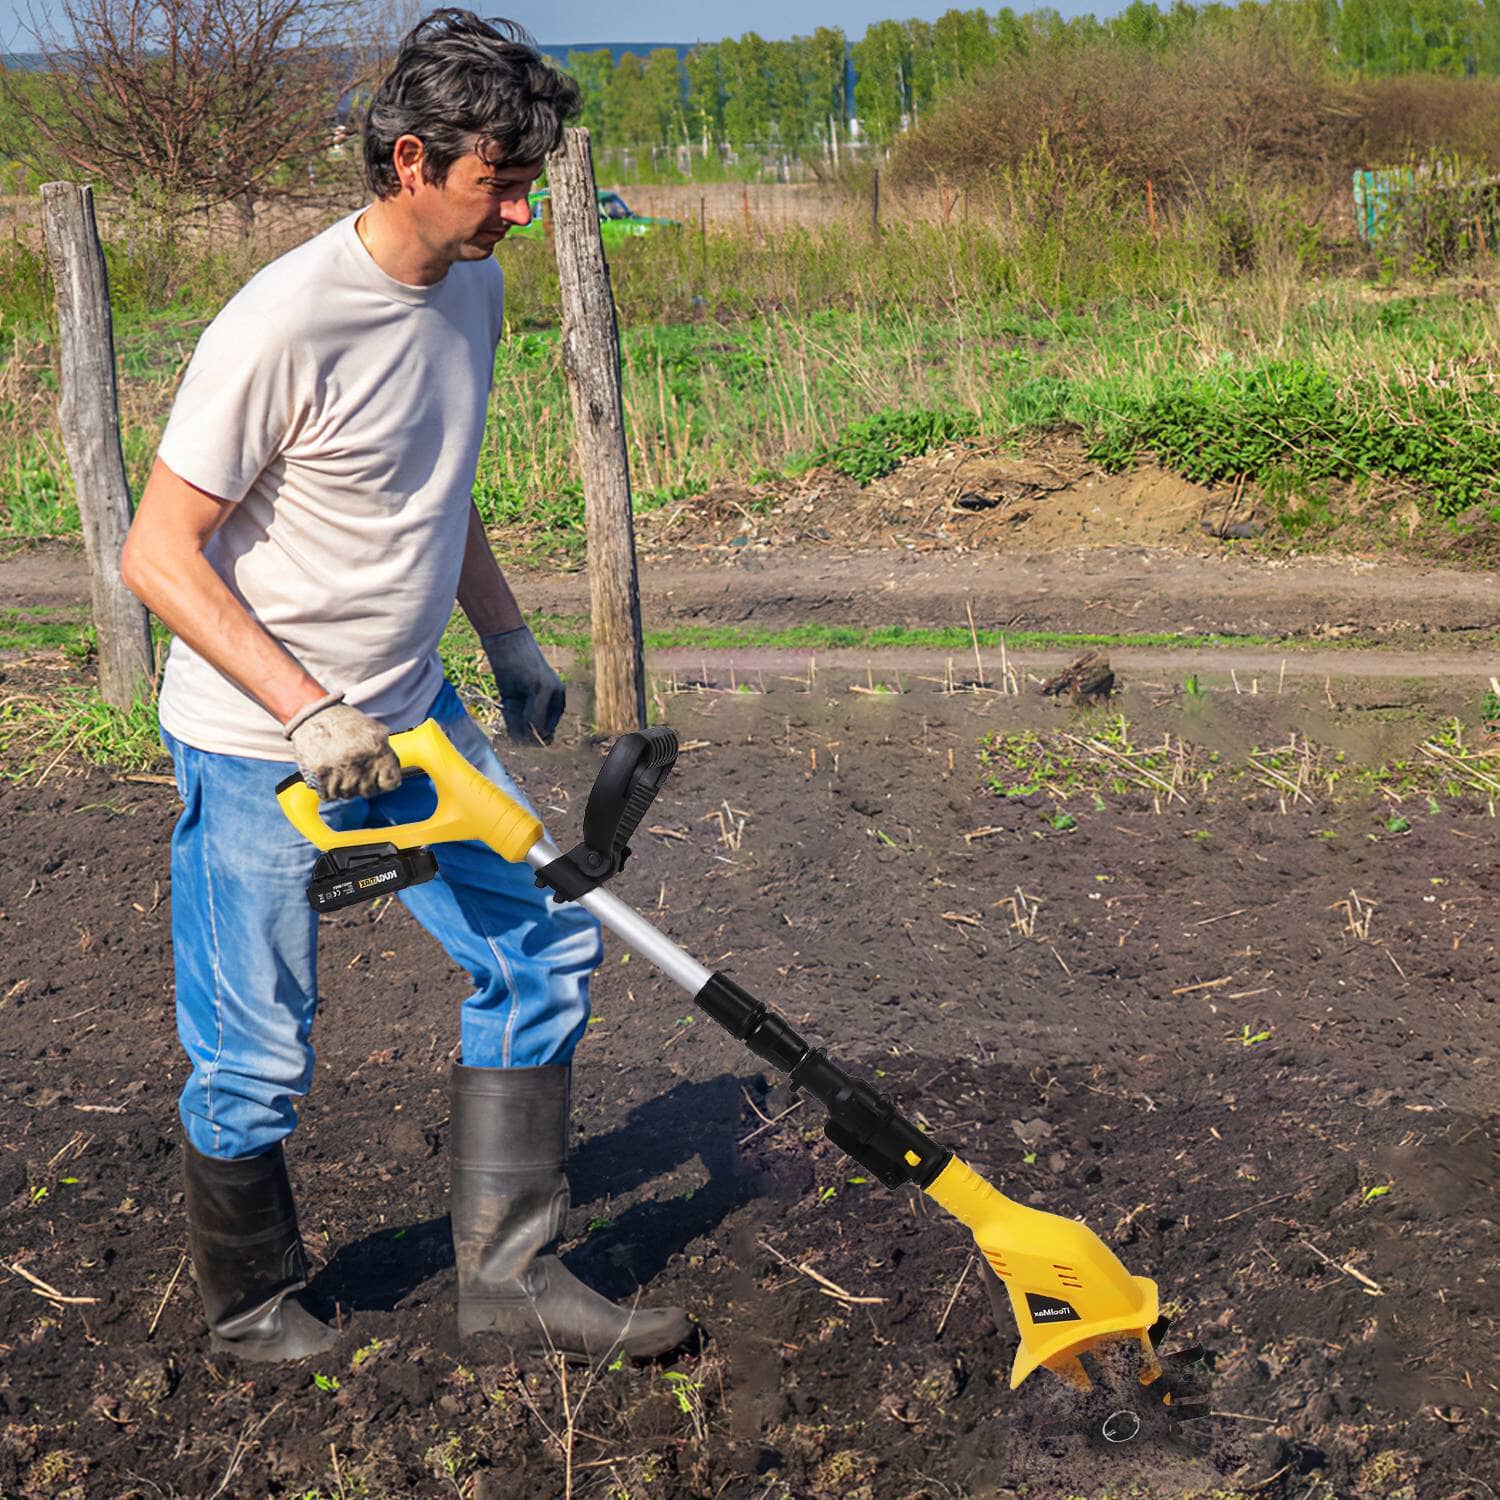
(591, 362)
(90, 418)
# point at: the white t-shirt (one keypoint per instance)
(341, 412)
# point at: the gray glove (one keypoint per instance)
(532, 696)
(342, 752)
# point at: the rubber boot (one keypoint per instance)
(247, 1257)
(510, 1199)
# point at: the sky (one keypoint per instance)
(562, 21)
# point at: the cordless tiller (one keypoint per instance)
(1068, 1292)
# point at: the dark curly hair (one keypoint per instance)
(457, 78)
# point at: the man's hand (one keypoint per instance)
(532, 696)
(342, 752)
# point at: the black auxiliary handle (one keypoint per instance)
(627, 784)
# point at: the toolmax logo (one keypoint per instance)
(379, 879)
(1049, 1310)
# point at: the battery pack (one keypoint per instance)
(345, 877)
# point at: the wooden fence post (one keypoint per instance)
(90, 418)
(591, 362)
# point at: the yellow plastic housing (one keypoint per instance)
(469, 805)
(1059, 1261)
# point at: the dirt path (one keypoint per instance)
(1103, 590)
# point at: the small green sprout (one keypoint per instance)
(683, 1388)
(600, 1221)
(1397, 824)
(366, 1351)
(326, 1382)
(1192, 687)
(617, 1363)
(1371, 1193)
(885, 838)
(1246, 1040)
(1062, 822)
(1030, 1158)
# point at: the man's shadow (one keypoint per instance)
(701, 1120)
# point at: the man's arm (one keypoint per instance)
(532, 697)
(340, 750)
(164, 567)
(483, 593)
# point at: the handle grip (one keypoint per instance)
(469, 805)
(626, 786)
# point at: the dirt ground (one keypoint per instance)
(839, 853)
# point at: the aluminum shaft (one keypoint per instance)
(635, 930)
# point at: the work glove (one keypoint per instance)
(532, 696)
(342, 752)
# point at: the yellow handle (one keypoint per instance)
(469, 805)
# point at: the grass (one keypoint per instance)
(1100, 757)
(750, 355)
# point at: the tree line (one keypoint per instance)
(821, 91)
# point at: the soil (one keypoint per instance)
(1103, 1065)
(1280, 1111)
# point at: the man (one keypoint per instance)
(304, 533)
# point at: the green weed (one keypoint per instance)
(872, 448)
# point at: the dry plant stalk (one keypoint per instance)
(1023, 911)
(1279, 781)
(731, 821)
(1358, 911)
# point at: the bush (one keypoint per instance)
(1235, 104)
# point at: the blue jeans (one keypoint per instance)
(245, 940)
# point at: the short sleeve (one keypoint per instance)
(235, 407)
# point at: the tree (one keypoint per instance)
(204, 101)
(963, 43)
(632, 108)
(705, 93)
(882, 63)
(594, 72)
(829, 63)
(663, 85)
(747, 90)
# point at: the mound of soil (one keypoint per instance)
(1189, 1048)
(965, 497)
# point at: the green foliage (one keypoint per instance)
(869, 449)
(1289, 420)
(34, 502)
(77, 724)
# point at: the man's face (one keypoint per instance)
(469, 214)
